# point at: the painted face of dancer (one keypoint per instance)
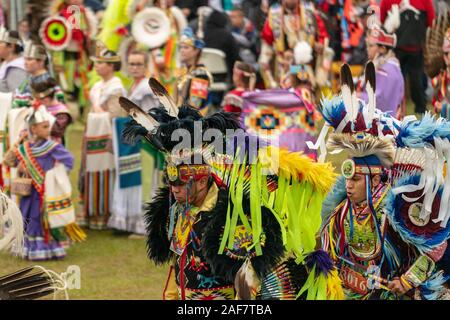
(196, 195)
(356, 187)
(41, 131)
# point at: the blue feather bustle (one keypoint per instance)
(419, 133)
(416, 133)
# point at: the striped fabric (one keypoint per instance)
(98, 196)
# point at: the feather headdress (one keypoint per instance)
(359, 127)
(383, 148)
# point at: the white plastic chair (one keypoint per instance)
(214, 61)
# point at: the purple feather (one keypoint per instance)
(321, 260)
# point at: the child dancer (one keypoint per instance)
(44, 94)
(34, 158)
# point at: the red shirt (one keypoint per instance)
(422, 5)
(232, 102)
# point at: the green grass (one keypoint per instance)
(112, 267)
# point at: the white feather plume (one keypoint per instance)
(392, 21)
(302, 53)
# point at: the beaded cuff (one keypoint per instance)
(419, 271)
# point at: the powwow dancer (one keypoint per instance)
(226, 227)
(97, 171)
(140, 94)
(287, 24)
(194, 80)
(46, 206)
(36, 63)
(12, 71)
(389, 78)
(384, 222)
(286, 115)
(70, 47)
(244, 78)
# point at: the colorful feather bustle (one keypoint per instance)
(115, 17)
(424, 238)
(423, 151)
(284, 282)
(301, 185)
(415, 134)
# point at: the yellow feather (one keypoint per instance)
(299, 167)
(334, 286)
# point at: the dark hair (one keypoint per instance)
(17, 46)
(246, 68)
(117, 65)
(42, 86)
(139, 52)
(238, 8)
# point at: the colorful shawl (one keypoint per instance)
(281, 116)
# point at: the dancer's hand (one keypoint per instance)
(396, 286)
